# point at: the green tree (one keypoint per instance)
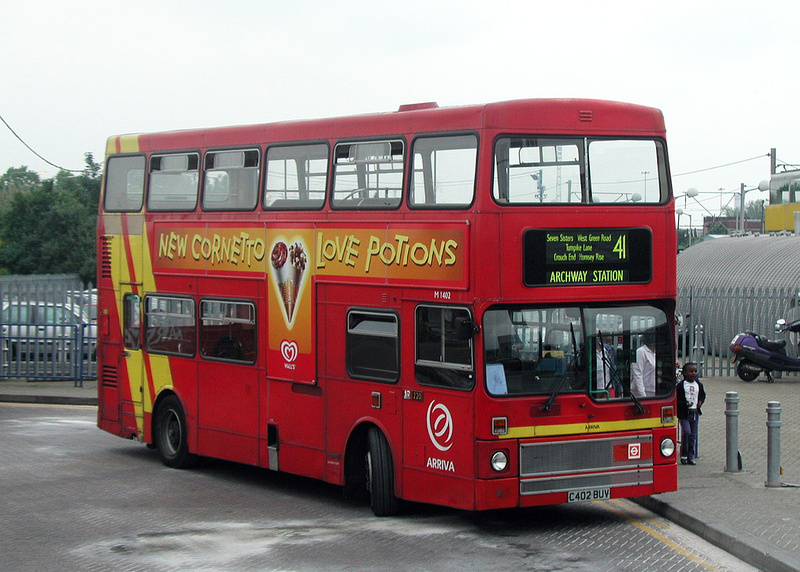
(50, 228)
(683, 238)
(718, 228)
(753, 210)
(17, 179)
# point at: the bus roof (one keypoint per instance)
(563, 116)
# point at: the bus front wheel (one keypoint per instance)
(380, 475)
(171, 436)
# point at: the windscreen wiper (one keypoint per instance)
(560, 382)
(615, 376)
(637, 403)
(549, 405)
(608, 363)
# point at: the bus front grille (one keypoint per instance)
(596, 480)
(602, 461)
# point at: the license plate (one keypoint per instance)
(589, 495)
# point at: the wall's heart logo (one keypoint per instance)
(289, 350)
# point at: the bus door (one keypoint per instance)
(228, 381)
(438, 392)
(128, 358)
(359, 353)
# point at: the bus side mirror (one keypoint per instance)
(465, 329)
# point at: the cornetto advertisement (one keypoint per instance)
(292, 259)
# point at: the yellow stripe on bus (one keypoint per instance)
(122, 144)
(583, 428)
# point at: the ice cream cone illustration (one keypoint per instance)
(288, 269)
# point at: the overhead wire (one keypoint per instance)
(721, 166)
(785, 164)
(35, 153)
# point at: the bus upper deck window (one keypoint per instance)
(368, 175)
(297, 176)
(531, 170)
(174, 181)
(231, 180)
(626, 171)
(537, 170)
(444, 171)
(124, 189)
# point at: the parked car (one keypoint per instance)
(86, 300)
(46, 331)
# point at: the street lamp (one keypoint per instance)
(680, 212)
(645, 173)
(762, 186)
(691, 193)
(690, 228)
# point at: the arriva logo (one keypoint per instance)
(440, 426)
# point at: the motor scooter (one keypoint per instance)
(755, 353)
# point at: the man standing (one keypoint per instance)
(643, 371)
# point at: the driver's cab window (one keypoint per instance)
(444, 347)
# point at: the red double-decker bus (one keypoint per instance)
(468, 306)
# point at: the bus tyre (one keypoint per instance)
(380, 475)
(170, 435)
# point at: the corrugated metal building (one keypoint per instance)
(732, 284)
(753, 261)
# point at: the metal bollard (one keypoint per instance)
(733, 459)
(773, 444)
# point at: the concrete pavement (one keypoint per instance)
(733, 510)
(45, 391)
(736, 510)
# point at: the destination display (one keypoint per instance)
(580, 257)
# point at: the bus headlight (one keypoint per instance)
(499, 461)
(667, 447)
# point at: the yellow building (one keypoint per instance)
(784, 202)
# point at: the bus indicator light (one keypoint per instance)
(499, 425)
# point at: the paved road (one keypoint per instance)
(75, 498)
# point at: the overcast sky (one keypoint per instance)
(724, 73)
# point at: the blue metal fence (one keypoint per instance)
(48, 328)
(709, 317)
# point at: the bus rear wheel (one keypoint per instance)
(380, 475)
(170, 435)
